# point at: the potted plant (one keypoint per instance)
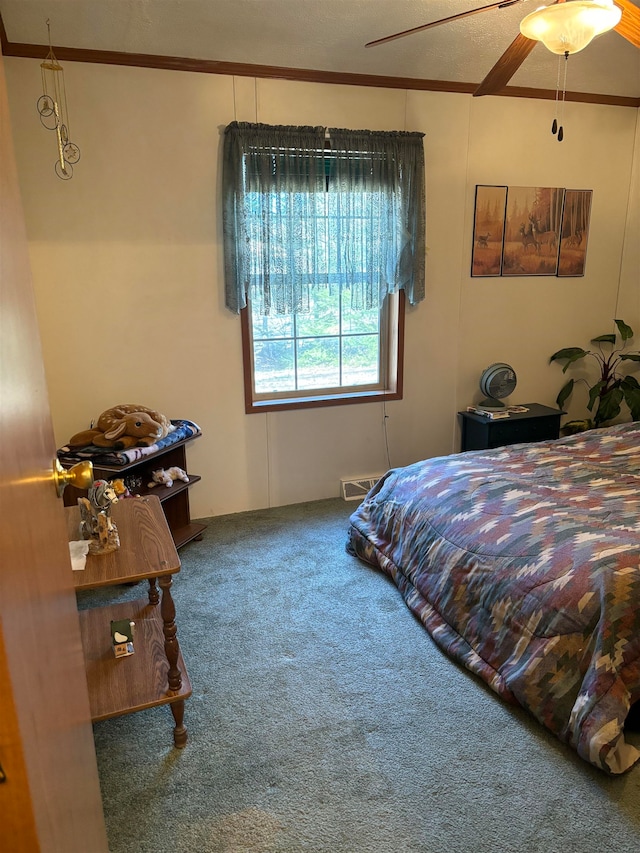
(611, 388)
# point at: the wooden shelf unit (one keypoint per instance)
(155, 674)
(174, 500)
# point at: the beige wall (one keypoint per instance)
(127, 263)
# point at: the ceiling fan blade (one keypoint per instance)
(506, 66)
(629, 25)
(502, 4)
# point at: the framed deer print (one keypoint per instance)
(574, 233)
(523, 231)
(532, 231)
(488, 230)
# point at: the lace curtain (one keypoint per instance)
(301, 211)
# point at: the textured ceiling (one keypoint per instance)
(324, 35)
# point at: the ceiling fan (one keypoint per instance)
(504, 69)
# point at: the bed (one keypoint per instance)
(523, 565)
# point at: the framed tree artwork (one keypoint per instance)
(523, 231)
(532, 231)
(488, 230)
(575, 231)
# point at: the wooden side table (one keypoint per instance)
(539, 423)
(155, 673)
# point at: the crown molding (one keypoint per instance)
(236, 69)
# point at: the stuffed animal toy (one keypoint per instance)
(121, 490)
(121, 427)
(167, 477)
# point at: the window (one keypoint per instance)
(319, 251)
(331, 355)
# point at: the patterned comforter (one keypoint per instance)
(523, 565)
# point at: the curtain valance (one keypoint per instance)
(306, 207)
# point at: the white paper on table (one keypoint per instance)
(78, 552)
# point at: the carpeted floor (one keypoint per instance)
(324, 719)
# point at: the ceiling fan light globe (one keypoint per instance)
(569, 27)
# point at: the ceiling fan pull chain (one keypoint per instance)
(564, 92)
(554, 126)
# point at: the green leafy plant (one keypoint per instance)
(611, 388)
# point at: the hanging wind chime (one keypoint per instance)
(52, 107)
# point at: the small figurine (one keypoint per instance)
(120, 488)
(167, 477)
(102, 494)
(122, 637)
(95, 518)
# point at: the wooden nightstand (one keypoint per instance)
(540, 423)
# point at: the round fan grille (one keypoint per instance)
(497, 381)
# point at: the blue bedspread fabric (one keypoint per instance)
(100, 456)
(523, 565)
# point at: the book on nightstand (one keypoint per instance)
(492, 416)
(499, 414)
